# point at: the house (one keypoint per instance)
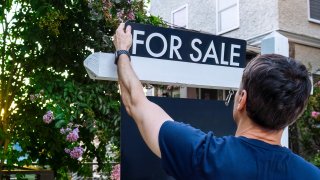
(251, 20)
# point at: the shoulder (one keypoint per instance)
(173, 130)
(303, 167)
(185, 150)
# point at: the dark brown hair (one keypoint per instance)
(277, 88)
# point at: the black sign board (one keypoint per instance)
(187, 46)
(138, 162)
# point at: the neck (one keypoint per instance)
(249, 129)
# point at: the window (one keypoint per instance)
(179, 17)
(211, 94)
(314, 11)
(227, 15)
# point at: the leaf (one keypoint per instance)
(83, 105)
(59, 116)
(60, 123)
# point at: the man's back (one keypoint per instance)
(188, 153)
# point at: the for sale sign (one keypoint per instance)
(187, 46)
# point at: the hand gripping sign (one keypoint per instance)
(174, 56)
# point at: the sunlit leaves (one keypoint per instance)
(52, 21)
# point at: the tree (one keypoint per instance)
(44, 86)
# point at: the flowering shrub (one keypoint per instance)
(115, 174)
(74, 150)
(309, 128)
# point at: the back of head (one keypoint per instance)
(277, 88)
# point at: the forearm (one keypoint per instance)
(136, 104)
(130, 86)
(148, 116)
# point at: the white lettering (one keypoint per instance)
(174, 48)
(193, 42)
(223, 45)
(136, 41)
(165, 45)
(213, 55)
(233, 54)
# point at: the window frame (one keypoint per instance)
(218, 22)
(309, 15)
(179, 9)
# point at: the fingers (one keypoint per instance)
(128, 29)
(121, 27)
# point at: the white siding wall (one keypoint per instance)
(201, 13)
(294, 18)
(256, 17)
(310, 56)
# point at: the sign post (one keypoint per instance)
(277, 44)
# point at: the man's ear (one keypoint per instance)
(242, 100)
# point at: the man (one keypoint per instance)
(273, 93)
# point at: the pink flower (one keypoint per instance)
(76, 130)
(62, 131)
(315, 114)
(48, 117)
(120, 15)
(73, 135)
(76, 152)
(67, 150)
(131, 15)
(115, 174)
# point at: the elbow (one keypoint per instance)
(133, 100)
(127, 105)
(128, 109)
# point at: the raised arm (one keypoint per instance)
(148, 116)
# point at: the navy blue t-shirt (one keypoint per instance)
(188, 153)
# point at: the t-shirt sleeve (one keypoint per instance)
(182, 148)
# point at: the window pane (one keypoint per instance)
(228, 19)
(180, 18)
(315, 9)
(226, 3)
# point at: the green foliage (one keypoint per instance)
(42, 48)
(309, 127)
(52, 21)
